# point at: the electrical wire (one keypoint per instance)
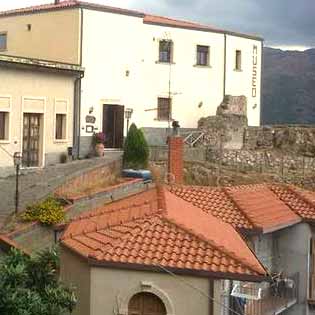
(198, 290)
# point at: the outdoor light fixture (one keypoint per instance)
(128, 114)
(17, 160)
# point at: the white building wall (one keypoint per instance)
(247, 81)
(114, 44)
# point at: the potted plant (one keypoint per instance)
(99, 140)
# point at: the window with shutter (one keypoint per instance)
(164, 109)
(238, 60)
(4, 125)
(61, 123)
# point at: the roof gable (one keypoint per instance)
(162, 230)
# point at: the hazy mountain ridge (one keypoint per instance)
(288, 87)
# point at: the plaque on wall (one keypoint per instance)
(90, 119)
(89, 129)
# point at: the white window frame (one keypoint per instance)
(65, 140)
(9, 111)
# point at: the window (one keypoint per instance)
(164, 108)
(4, 125)
(3, 41)
(238, 60)
(202, 55)
(61, 126)
(165, 51)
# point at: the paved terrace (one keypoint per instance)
(37, 184)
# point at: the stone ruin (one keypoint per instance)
(226, 129)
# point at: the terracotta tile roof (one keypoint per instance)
(265, 207)
(156, 228)
(214, 201)
(302, 202)
(147, 18)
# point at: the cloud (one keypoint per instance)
(280, 22)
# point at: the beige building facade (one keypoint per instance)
(36, 111)
(110, 290)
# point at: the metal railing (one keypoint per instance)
(276, 298)
(194, 138)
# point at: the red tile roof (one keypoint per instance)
(156, 228)
(263, 207)
(147, 18)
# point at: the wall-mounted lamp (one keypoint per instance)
(128, 114)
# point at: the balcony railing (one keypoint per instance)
(271, 300)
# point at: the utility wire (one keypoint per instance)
(197, 289)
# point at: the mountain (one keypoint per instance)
(288, 87)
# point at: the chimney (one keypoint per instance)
(57, 2)
(175, 156)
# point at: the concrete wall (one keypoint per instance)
(292, 250)
(110, 290)
(75, 271)
(53, 36)
(35, 92)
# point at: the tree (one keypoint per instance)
(30, 285)
(136, 149)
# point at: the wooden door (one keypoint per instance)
(146, 304)
(31, 140)
(113, 125)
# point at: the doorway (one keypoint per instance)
(113, 125)
(146, 304)
(31, 139)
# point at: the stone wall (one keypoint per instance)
(298, 140)
(262, 161)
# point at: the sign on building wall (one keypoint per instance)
(254, 73)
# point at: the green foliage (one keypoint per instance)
(30, 285)
(136, 150)
(48, 212)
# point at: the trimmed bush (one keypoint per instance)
(136, 149)
(47, 212)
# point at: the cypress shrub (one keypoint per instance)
(136, 149)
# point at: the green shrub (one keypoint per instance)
(48, 212)
(136, 149)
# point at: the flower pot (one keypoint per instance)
(99, 149)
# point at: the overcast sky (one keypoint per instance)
(283, 23)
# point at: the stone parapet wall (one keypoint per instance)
(299, 140)
(262, 161)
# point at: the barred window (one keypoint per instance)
(164, 108)
(165, 51)
(202, 55)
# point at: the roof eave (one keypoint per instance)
(206, 29)
(28, 63)
(177, 271)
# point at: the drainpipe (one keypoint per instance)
(77, 116)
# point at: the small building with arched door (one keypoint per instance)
(153, 254)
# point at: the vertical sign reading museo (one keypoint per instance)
(254, 73)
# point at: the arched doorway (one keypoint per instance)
(145, 303)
